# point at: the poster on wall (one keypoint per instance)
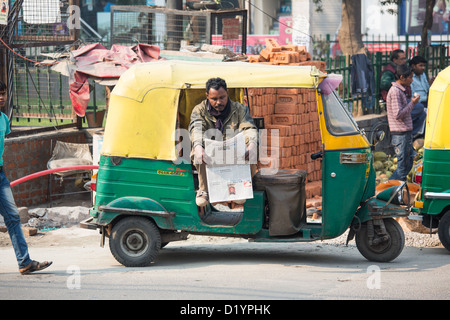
(300, 34)
(4, 12)
(412, 17)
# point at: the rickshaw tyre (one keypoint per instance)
(444, 230)
(385, 252)
(135, 241)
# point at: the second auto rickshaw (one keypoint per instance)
(145, 196)
(433, 199)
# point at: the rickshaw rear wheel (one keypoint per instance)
(444, 230)
(135, 241)
(386, 250)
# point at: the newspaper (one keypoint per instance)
(229, 177)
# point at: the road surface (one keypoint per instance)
(206, 268)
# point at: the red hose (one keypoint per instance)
(45, 172)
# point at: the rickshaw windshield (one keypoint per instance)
(337, 119)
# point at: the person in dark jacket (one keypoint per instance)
(389, 74)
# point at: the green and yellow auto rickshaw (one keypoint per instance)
(433, 201)
(145, 196)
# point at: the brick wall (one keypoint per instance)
(29, 154)
(294, 113)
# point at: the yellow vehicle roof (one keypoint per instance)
(143, 109)
(437, 132)
(137, 81)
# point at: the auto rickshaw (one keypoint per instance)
(145, 196)
(432, 204)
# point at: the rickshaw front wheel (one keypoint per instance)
(387, 248)
(444, 230)
(135, 241)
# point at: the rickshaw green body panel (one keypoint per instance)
(436, 157)
(435, 179)
(163, 191)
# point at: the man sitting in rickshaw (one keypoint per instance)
(218, 112)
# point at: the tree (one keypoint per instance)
(350, 37)
(426, 26)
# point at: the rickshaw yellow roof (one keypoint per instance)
(141, 78)
(437, 132)
(144, 104)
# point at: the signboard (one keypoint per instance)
(255, 43)
(230, 28)
(412, 17)
(4, 9)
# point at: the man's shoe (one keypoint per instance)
(202, 198)
(35, 266)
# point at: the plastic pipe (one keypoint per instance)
(45, 172)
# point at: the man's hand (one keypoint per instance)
(200, 155)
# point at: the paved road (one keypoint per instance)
(230, 270)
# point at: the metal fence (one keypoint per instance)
(380, 48)
(170, 29)
(41, 95)
(35, 28)
(45, 23)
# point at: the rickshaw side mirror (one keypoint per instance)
(378, 133)
(378, 137)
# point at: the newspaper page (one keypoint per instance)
(229, 177)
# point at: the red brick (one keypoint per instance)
(286, 120)
(282, 130)
(288, 91)
(287, 98)
(286, 108)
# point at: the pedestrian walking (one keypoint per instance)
(8, 208)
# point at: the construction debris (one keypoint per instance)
(290, 55)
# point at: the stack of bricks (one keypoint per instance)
(293, 112)
(290, 55)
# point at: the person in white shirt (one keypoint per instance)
(419, 86)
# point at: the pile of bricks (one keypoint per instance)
(290, 55)
(293, 112)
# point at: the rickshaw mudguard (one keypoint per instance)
(137, 206)
(376, 208)
(134, 206)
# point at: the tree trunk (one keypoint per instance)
(350, 38)
(426, 26)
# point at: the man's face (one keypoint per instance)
(2, 98)
(217, 98)
(418, 68)
(401, 59)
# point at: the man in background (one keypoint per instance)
(419, 86)
(389, 74)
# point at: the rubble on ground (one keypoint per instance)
(45, 219)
